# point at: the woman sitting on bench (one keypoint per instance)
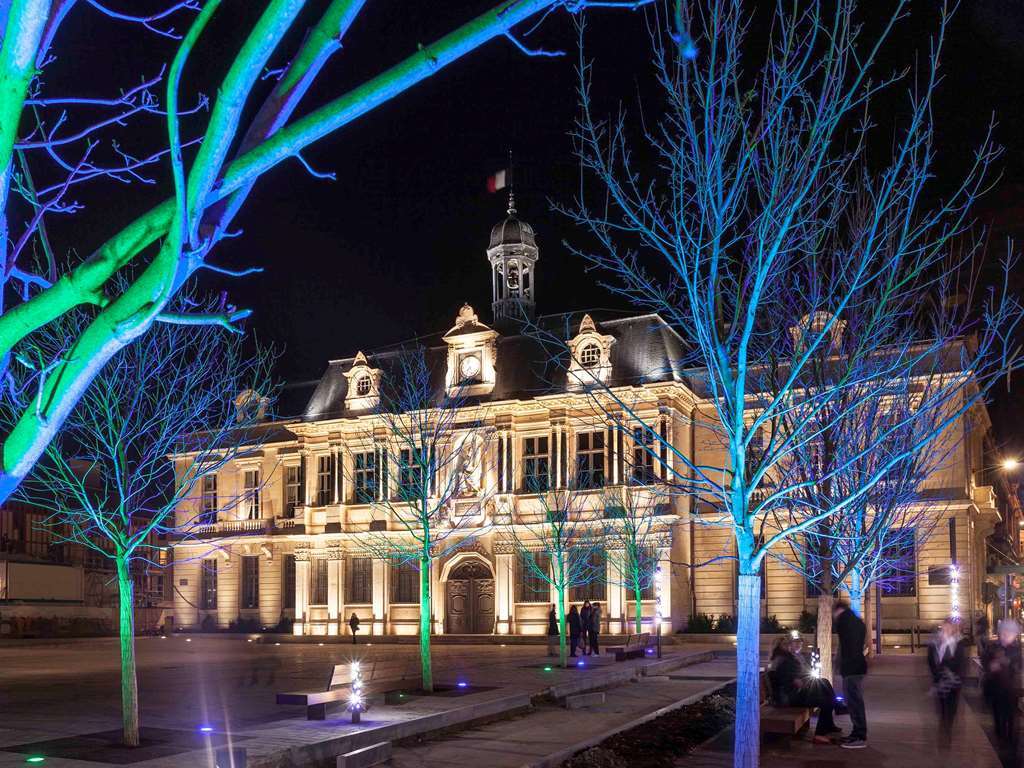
(794, 686)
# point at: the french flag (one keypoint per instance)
(497, 181)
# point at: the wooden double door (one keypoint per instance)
(469, 600)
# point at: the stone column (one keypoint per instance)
(228, 571)
(437, 597)
(504, 585)
(380, 596)
(187, 578)
(663, 588)
(271, 599)
(616, 608)
(302, 575)
(333, 595)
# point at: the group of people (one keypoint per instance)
(794, 683)
(584, 626)
(1000, 679)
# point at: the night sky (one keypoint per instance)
(393, 247)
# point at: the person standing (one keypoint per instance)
(947, 658)
(575, 626)
(585, 622)
(1002, 665)
(853, 667)
(353, 624)
(595, 629)
(552, 631)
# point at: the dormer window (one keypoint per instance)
(363, 385)
(590, 355)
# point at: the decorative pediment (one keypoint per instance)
(590, 356)
(363, 385)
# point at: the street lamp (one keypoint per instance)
(1010, 464)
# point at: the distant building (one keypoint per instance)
(50, 587)
(291, 552)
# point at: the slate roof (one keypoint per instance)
(528, 364)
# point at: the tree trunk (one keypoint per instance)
(129, 683)
(823, 634)
(856, 593)
(747, 741)
(878, 618)
(563, 655)
(637, 595)
(427, 672)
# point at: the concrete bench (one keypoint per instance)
(635, 645)
(377, 676)
(783, 721)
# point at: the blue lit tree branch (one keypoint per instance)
(209, 188)
(108, 481)
(753, 207)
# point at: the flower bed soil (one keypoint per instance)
(660, 742)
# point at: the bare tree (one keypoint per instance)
(637, 528)
(559, 538)
(733, 222)
(49, 145)
(425, 482)
(108, 481)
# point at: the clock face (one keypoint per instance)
(469, 367)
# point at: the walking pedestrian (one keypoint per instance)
(595, 629)
(853, 667)
(793, 685)
(353, 624)
(575, 627)
(552, 631)
(1002, 663)
(585, 622)
(947, 658)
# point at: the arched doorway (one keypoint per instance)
(469, 600)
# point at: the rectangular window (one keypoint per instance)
(250, 582)
(536, 463)
(409, 475)
(590, 578)
(590, 459)
(324, 480)
(643, 456)
(365, 476)
(533, 587)
(405, 583)
(208, 503)
(318, 587)
(208, 585)
(359, 580)
(251, 494)
(288, 581)
(292, 489)
(898, 571)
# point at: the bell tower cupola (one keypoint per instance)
(513, 256)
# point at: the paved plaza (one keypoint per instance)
(50, 691)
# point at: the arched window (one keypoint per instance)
(363, 386)
(590, 355)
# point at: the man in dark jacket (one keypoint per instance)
(852, 666)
